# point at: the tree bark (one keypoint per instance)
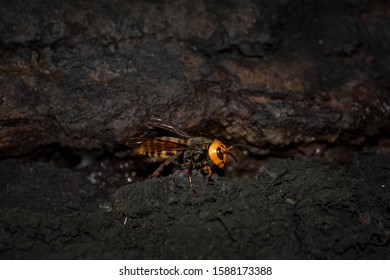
(294, 75)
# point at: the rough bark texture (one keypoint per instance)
(86, 74)
(77, 78)
(292, 209)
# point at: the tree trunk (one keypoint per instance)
(299, 76)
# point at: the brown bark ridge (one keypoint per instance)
(87, 74)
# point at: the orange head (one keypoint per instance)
(218, 153)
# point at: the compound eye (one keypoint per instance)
(217, 153)
(220, 154)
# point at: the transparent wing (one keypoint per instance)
(156, 122)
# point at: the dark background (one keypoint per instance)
(302, 85)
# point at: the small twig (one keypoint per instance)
(220, 218)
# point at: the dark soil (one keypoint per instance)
(291, 209)
(307, 80)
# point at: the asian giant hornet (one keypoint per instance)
(193, 152)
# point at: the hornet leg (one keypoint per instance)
(207, 170)
(167, 162)
(189, 174)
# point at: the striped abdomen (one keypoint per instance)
(161, 147)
